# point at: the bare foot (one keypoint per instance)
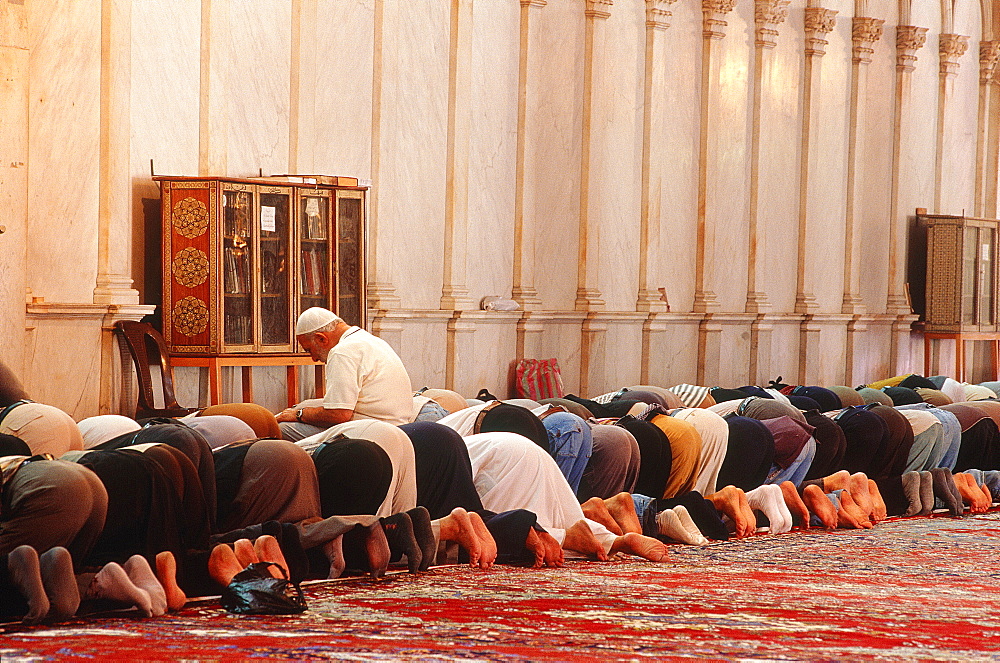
(487, 545)
(858, 486)
(818, 503)
(879, 512)
(138, 571)
(580, 539)
(622, 509)
(377, 550)
(733, 502)
(800, 514)
(457, 526)
(245, 552)
(596, 510)
(988, 496)
(836, 481)
(223, 564)
(850, 515)
(971, 492)
(166, 573)
(553, 551)
(26, 574)
(643, 546)
(111, 582)
(334, 552)
(534, 545)
(268, 550)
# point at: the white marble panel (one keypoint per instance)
(13, 208)
(618, 146)
(677, 156)
(424, 351)
(254, 65)
(343, 90)
(557, 167)
(72, 386)
(496, 339)
(875, 176)
(735, 360)
(872, 355)
(825, 252)
(622, 362)
(960, 134)
(785, 349)
(413, 162)
(728, 190)
(780, 149)
(673, 355)
(493, 157)
(64, 74)
(166, 51)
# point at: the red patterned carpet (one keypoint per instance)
(922, 588)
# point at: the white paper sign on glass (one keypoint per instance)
(267, 218)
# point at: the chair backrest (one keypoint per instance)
(146, 347)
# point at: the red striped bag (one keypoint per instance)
(538, 379)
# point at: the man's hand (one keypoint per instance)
(288, 414)
(315, 416)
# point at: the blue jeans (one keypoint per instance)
(796, 472)
(570, 444)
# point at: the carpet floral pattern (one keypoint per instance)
(918, 588)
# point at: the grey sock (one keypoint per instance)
(22, 562)
(926, 493)
(911, 488)
(945, 490)
(60, 583)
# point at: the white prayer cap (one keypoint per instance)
(313, 319)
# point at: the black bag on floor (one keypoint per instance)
(254, 591)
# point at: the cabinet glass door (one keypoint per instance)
(274, 221)
(316, 250)
(987, 302)
(237, 261)
(350, 252)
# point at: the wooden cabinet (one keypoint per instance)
(242, 258)
(961, 274)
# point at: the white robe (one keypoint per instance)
(512, 472)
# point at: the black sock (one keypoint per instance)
(399, 532)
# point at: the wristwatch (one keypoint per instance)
(298, 415)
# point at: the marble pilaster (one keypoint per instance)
(13, 182)
(114, 228)
(530, 59)
(909, 39)
(987, 131)
(818, 23)
(455, 293)
(951, 47)
(713, 30)
(592, 167)
(864, 33)
(653, 172)
(460, 350)
(768, 15)
(593, 351)
(302, 88)
(381, 291)
(213, 118)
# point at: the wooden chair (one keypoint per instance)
(145, 346)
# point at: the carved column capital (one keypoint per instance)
(599, 8)
(989, 53)
(819, 23)
(768, 14)
(865, 32)
(950, 49)
(909, 39)
(658, 14)
(713, 13)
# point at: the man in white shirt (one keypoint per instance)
(365, 378)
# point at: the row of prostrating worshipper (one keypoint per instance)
(620, 473)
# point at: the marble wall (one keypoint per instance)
(754, 163)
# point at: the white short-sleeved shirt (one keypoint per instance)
(364, 374)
